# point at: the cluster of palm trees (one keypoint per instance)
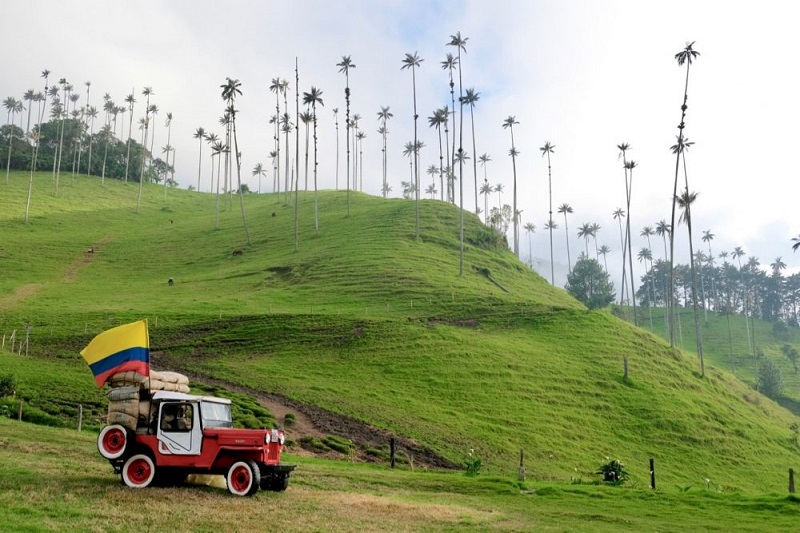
(70, 133)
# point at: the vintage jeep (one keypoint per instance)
(184, 434)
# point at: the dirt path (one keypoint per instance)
(312, 421)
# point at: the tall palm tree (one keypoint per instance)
(384, 115)
(486, 189)
(471, 97)
(336, 122)
(707, 238)
(10, 104)
(436, 120)
(604, 250)
(499, 190)
(566, 209)
(344, 66)
(629, 166)
(278, 87)
(230, 90)
(354, 127)
(306, 118)
(200, 133)
(217, 149)
(259, 171)
(449, 64)
(595, 227)
(130, 100)
(685, 201)
(796, 241)
(685, 56)
(550, 225)
(619, 214)
(168, 124)
(547, 149)
(146, 92)
(509, 123)
(584, 232)
(530, 228)
(460, 43)
(312, 98)
(413, 61)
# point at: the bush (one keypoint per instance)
(289, 419)
(472, 464)
(8, 386)
(769, 380)
(613, 472)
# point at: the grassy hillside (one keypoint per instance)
(54, 480)
(367, 321)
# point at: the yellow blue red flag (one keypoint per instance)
(119, 350)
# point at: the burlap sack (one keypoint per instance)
(123, 393)
(128, 407)
(123, 419)
(169, 377)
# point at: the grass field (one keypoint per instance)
(365, 320)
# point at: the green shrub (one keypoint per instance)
(613, 472)
(770, 382)
(338, 444)
(472, 464)
(289, 419)
(8, 386)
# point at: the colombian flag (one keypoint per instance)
(118, 350)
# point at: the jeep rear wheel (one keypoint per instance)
(138, 471)
(243, 478)
(112, 441)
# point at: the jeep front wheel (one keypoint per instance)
(243, 478)
(112, 441)
(138, 471)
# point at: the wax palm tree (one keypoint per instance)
(200, 133)
(595, 229)
(471, 97)
(313, 98)
(383, 116)
(436, 120)
(685, 201)
(685, 56)
(336, 122)
(217, 149)
(261, 172)
(431, 189)
(486, 190)
(344, 66)
(547, 149)
(278, 87)
(629, 166)
(10, 104)
(230, 90)
(130, 100)
(707, 238)
(354, 127)
(604, 251)
(168, 124)
(796, 241)
(412, 61)
(499, 190)
(530, 228)
(618, 215)
(408, 151)
(566, 209)
(550, 225)
(460, 43)
(509, 123)
(449, 64)
(584, 232)
(146, 92)
(306, 118)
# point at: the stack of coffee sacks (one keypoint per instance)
(129, 397)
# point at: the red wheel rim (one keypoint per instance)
(241, 479)
(114, 441)
(139, 471)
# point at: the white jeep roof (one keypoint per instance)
(169, 395)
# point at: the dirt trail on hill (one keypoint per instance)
(312, 421)
(88, 255)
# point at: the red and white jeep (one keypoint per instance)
(186, 434)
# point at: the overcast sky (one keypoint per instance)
(585, 75)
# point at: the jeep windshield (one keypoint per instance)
(216, 415)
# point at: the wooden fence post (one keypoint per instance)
(521, 465)
(391, 450)
(625, 365)
(80, 416)
(791, 480)
(19, 415)
(652, 474)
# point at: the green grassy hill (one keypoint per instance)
(367, 321)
